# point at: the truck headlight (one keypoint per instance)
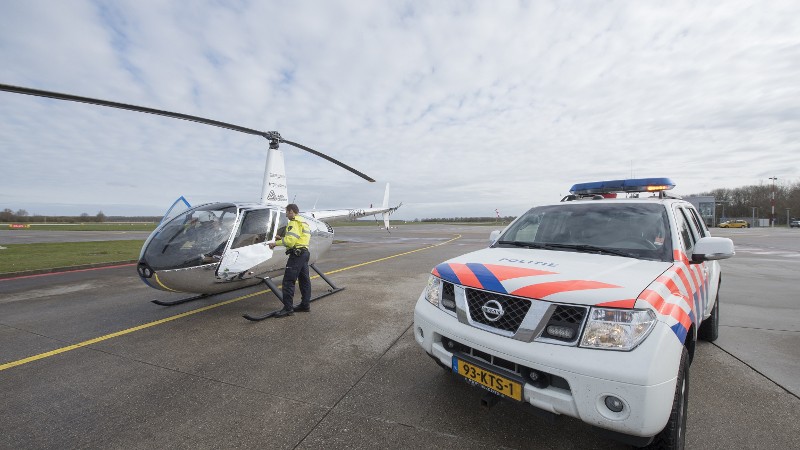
(433, 291)
(617, 329)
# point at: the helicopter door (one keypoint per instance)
(249, 248)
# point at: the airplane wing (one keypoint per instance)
(331, 214)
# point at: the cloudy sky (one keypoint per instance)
(463, 106)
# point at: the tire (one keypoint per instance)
(673, 436)
(709, 329)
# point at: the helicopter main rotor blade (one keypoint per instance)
(322, 155)
(93, 101)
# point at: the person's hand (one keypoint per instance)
(271, 245)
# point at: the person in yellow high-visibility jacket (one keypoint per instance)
(296, 240)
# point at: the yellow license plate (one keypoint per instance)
(488, 380)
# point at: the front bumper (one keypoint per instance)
(644, 378)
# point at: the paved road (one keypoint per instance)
(348, 375)
(35, 236)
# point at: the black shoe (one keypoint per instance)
(302, 308)
(283, 313)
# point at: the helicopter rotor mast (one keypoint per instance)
(274, 188)
(272, 136)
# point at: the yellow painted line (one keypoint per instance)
(58, 351)
(458, 236)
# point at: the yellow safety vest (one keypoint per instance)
(297, 234)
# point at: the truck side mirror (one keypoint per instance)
(712, 248)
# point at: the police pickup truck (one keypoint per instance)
(589, 307)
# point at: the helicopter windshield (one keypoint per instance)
(193, 238)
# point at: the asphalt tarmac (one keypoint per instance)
(31, 236)
(86, 361)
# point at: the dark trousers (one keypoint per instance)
(297, 270)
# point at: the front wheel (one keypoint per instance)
(709, 329)
(673, 436)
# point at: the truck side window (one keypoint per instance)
(687, 238)
(698, 223)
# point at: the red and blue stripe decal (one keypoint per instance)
(489, 277)
(684, 275)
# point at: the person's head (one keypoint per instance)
(291, 211)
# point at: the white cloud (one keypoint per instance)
(463, 106)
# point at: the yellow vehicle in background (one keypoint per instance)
(734, 224)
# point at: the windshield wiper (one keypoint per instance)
(580, 247)
(593, 249)
(528, 244)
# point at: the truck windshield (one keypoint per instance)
(627, 229)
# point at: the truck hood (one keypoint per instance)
(557, 276)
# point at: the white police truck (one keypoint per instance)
(589, 307)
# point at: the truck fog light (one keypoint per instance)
(614, 404)
(534, 376)
(561, 332)
(450, 345)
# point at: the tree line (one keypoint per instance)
(22, 216)
(735, 203)
(506, 219)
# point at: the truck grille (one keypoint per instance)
(566, 316)
(514, 309)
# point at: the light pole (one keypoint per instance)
(722, 218)
(788, 222)
(754, 217)
(772, 202)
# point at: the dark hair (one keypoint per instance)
(293, 207)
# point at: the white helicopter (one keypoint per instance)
(222, 246)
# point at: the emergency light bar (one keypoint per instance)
(630, 185)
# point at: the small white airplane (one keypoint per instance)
(222, 246)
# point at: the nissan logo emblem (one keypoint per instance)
(492, 310)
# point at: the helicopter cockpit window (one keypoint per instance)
(255, 228)
(193, 238)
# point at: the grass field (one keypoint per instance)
(25, 257)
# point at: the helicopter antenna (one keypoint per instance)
(273, 137)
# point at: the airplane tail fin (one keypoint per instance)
(385, 206)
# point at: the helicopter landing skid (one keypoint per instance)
(268, 281)
(183, 300)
